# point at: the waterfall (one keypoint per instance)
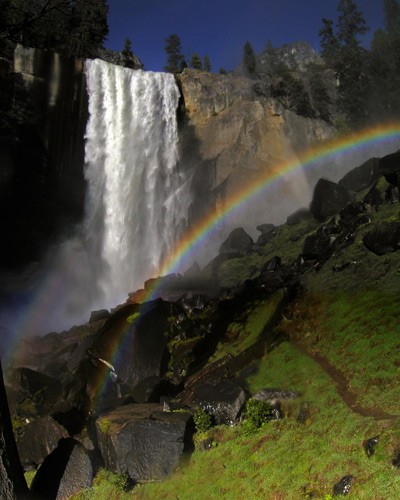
(137, 201)
(138, 196)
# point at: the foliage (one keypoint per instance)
(133, 317)
(257, 414)
(342, 51)
(127, 54)
(249, 59)
(202, 420)
(175, 59)
(206, 63)
(195, 61)
(319, 95)
(104, 424)
(107, 486)
(72, 27)
(292, 93)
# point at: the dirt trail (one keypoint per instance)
(343, 388)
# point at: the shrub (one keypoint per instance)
(257, 413)
(202, 420)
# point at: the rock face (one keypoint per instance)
(234, 135)
(12, 481)
(144, 441)
(237, 241)
(43, 118)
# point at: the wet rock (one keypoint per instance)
(274, 394)
(223, 400)
(328, 199)
(384, 238)
(343, 486)
(144, 390)
(352, 209)
(144, 441)
(38, 439)
(298, 216)
(361, 177)
(237, 241)
(369, 445)
(65, 472)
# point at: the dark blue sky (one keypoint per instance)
(220, 28)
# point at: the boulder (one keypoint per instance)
(144, 441)
(269, 232)
(274, 394)
(237, 241)
(265, 228)
(389, 167)
(328, 199)
(384, 238)
(273, 264)
(370, 444)
(44, 390)
(223, 401)
(64, 473)
(361, 177)
(298, 216)
(100, 315)
(343, 486)
(38, 439)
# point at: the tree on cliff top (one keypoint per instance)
(175, 59)
(195, 62)
(73, 27)
(343, 52)
(249, 58)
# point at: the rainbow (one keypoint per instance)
(309, 158)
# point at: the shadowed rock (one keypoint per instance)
(384, 238)
(12, 481)
(361, 177)
(65, 472)
(144, 441)
(237, 241)
(328, 199)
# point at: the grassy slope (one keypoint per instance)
(350, 318)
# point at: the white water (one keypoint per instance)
(138, 197)
(137, 203)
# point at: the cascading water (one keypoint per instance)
(138, 197)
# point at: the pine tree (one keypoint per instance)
(249, 59)
(342, 51)
(127, 54)
(206, 63)
(175, 59)
(195, 61)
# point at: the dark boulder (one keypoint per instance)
(65, 472)
(223, 401)
(351, 210)
(139, 336)
(38, 439)
(317, 245)
(144, 441)
(44, 390)
(343, 486)
(384, 238)
(12, 481)
(237, 241)
(265, 228)
(274, 394)
(370, 444)
(273, 264)
(389, 167)
(267, 234)
(298, 216)
(361, 177)
(328, 199)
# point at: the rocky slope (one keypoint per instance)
(304, 320)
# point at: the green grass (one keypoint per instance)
(285, 459)
(244, 333)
